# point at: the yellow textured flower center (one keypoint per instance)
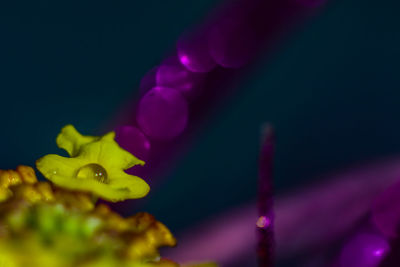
(93, 171)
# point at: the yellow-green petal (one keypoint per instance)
(109, 154)
(131, 188)
(96, 165)
(71, 140)
(52, 165)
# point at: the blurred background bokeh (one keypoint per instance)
(330, 88)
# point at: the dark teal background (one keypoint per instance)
(331, 89)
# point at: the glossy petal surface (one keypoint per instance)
(97, 165)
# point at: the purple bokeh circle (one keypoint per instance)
(148, 81)
(173, 74)
(162, 113)
(134, 141)
(194, 55)
(364, 250)
(231, 43)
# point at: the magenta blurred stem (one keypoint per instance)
(264, 224)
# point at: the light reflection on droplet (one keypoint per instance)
(93, 171)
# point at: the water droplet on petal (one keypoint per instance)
(93, 171)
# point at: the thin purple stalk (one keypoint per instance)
(265, 234)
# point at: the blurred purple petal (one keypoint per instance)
(325, 213)
(306, 220)
(386, 211)
(364, 250)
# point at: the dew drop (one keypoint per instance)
(93, 171)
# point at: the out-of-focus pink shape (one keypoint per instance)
(173, 74)
(232, 42)
(305, 220)
(323, 214)
(223, 240)
(133, 140)
(162, 113)
(386, 211)
(148, 81)
(193, 53)
(364, 250)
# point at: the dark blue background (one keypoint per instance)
(331, 90)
